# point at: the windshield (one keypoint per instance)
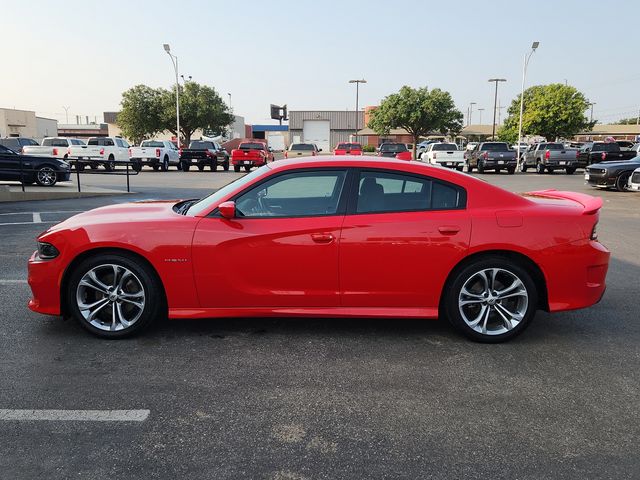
(306, 147)
(201, 145)
(555, 146)
(152, 143)
(494, 147)
(207, 202)
(606, 147)
(349, 146)
(443, 147)
(393, 147)
(251, 146)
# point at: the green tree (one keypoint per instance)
(552, 111)
(627, 121)
(200, 108)
(141, 114)
(419, 111)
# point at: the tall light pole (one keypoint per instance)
(470, 111)
(480, 110)
(174, 60)
(495, 103)
(591, 104)
(229, 101)
(357, 82)
(66, 113)
(527, 57)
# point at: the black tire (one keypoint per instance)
(201, 167)
(570, 170)
(236, 168)
(155, 167)
(80, 166)
(247, 168)
(498, 169)
(622, 182)
(46, 176)
(469, 168)
(186, 166)
(459, 169)
(511, 170)
(136, 166)
(165, 164)
(225, 165)
(466, 274)
(110, 164)
(539, 167)
(214, 165)
(179, 166)
(480, 166)
(524, 167)
(93, 166)
(154, 303)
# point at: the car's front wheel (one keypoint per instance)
(491, 300)
(622, 182)
(46, 176)
(114, 295)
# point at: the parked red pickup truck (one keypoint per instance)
(250, 154)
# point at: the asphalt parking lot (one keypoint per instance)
(323, 399)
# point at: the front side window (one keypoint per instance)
(299, 194)
(380, 192)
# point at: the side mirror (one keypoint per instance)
(319, 149)
(227, 209)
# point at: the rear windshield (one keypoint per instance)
(494, 147)
(555, 146)
(349, 146)
(199, 145)
(605, 147)
(393, 147)
(152, 143)
(305, 147)
(28, 142)
(443, 147)
(251, 146)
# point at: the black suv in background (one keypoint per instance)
(204, 153)
(16, 143)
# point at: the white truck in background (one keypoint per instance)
(443, 154)
(106, 151)
(57, 147)
(159, 154)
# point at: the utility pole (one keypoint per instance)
(357, 82)
(480, 110)
(495, 103)
(66, 114)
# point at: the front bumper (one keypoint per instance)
(598, 179)
(44, 278)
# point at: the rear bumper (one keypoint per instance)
(579, 280)
(560, 163)
(244, 162)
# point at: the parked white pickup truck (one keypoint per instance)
(105, 151)
(443, 154)
(159, 154)
(57, 147)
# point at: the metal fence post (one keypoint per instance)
(78, 174)
(21, 175)
(128, 191)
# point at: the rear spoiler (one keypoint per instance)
(591, 204)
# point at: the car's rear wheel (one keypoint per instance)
(511, 170)
(186, 166)
(46, 176)
(236, 168)
(201, 167)
(225, 165)
(524, 167)
(570, 170)
(155, 167)
(622, 182)
(110, 164)
(114, 295)
(247, 168)
(491, 300)
(214, 165)
(136, 166)
(165, 164)
(539, 167)
(480, 166)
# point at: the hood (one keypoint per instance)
(120, 213)
(633, 163)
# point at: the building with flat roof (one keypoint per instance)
(325, 128)
(25, 123)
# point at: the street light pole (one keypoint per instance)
(470, 112)
(527, 57)
(480, 110)
(230, 102)
(174, 60)
(357, 82)
(495, 103)
(66, 113)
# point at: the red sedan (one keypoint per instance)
(328, 238)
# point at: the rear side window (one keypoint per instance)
(380, 192)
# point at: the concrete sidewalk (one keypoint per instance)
(12, 192)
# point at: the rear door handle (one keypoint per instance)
(448, 229)
(322, 237)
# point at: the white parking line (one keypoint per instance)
(11, 282)
(36, 217)
(40, 213)
(74, 415)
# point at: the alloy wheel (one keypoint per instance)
(110, 297)
(46, 176)
(493, 301)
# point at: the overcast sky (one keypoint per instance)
(302, 53)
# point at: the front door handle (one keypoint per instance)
(322, 237)
(449, 229)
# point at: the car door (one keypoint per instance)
(402, 235)
(281, 249)
(10, 164)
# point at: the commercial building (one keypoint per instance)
(619, 132)
(325, 128)
(277, 136)
(25, 123)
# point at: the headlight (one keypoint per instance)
(46, 251)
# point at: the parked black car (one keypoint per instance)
(492, 156)
(595, 152)
(45, 171)
(611, 174)
(204, 153)
(16, 143)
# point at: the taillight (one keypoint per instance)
(129, 153)
(286, 154)
(577, 153)
(485, 155)
(102, 151)
(594, 232)
(180, 151)
(547, 155)
(435, 155)
(604, 155)
(55, 152)
(158, 152)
